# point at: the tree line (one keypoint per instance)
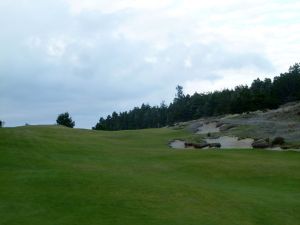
(260, 95)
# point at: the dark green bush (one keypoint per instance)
(278, 141)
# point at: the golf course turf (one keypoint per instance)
(52, 175)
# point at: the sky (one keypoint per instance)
(93, 57)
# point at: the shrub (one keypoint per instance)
(278, 141)
(64, 119)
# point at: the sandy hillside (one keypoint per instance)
(259, 125)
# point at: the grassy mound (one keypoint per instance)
(54, 175)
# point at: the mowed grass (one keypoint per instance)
(50, 175)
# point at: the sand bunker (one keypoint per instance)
(231, 142)
(225, 141)
(208, 128)
(177, 144)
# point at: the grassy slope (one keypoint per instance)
(54, 175)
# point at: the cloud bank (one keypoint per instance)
(94, 57)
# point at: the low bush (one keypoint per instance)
(278, 141)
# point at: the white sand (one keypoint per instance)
(226, 143)
(178, 144)
(231, 142)
(208, 128)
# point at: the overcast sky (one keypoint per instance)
(93, 57)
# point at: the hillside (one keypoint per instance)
(283, 122)
(55, 175)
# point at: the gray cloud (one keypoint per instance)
(92, 63)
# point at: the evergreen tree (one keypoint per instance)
(64, 119)
(262, 94)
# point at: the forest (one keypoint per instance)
(260, 95)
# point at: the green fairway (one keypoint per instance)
(51, 175)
